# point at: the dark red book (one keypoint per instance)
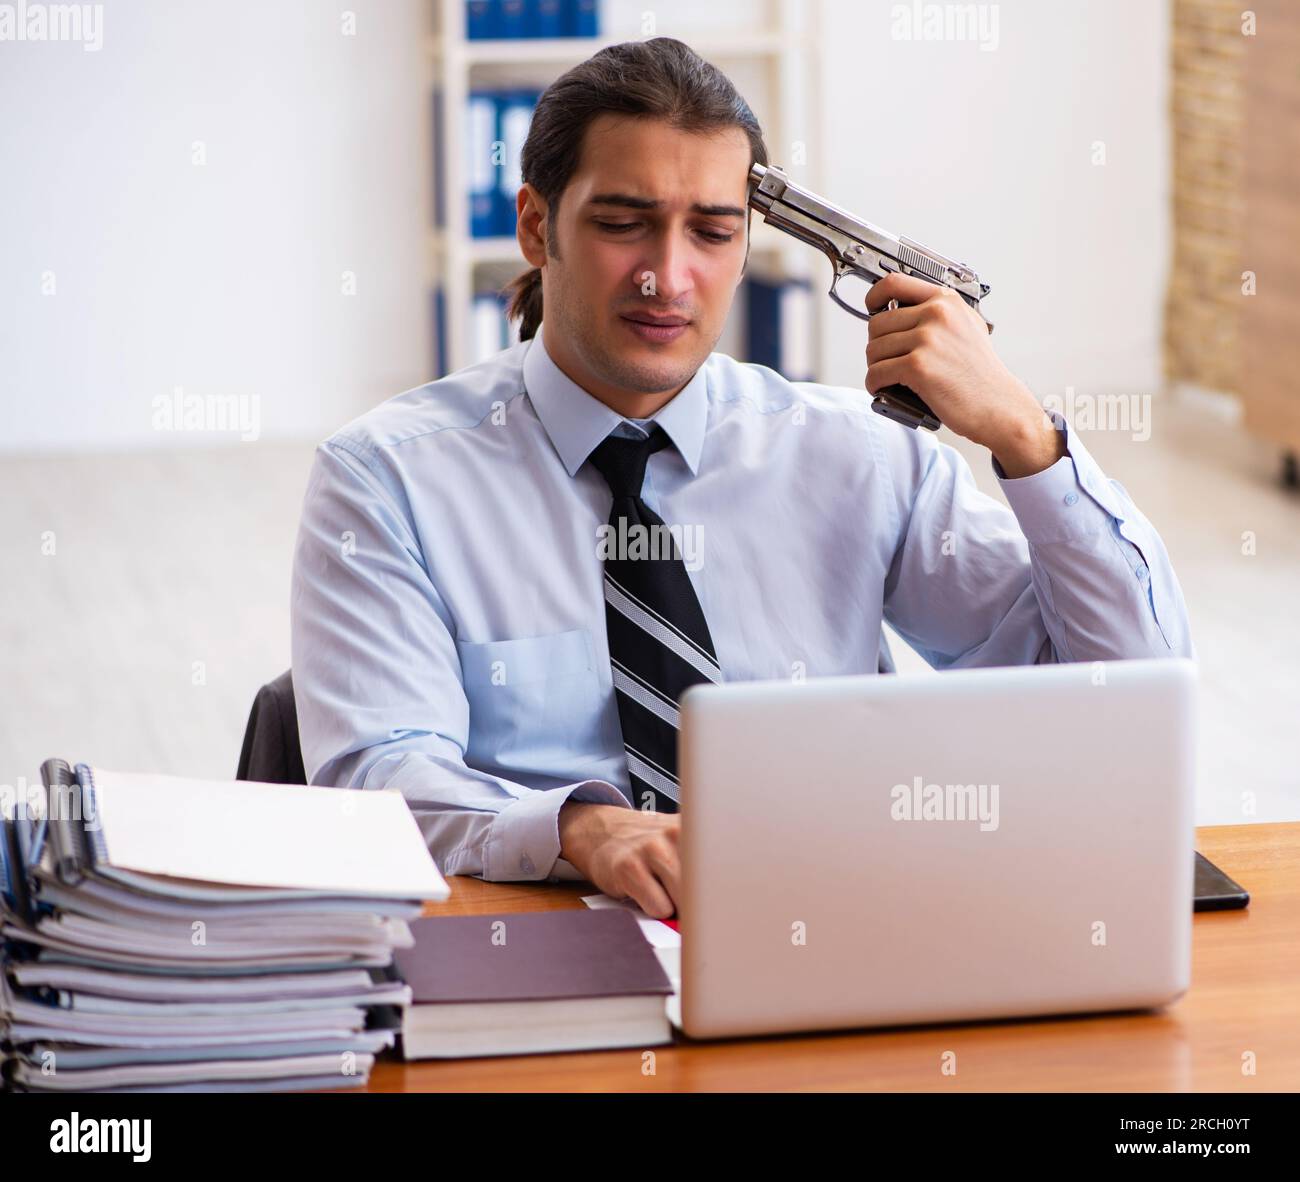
(537, 981)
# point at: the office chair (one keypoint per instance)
(272, 753)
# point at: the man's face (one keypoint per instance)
(653, 223)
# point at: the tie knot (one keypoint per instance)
(621, 461)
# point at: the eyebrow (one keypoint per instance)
(626, 199)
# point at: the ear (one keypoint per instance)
(530, 228)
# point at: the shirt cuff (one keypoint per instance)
(1069, 500)
(564, 871)
(524, 841)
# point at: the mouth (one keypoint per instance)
(660, 329)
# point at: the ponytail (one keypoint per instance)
(524, 296)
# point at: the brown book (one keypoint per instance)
(533, 982)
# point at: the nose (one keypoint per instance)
(669, 265)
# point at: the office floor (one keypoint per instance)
(139, 641)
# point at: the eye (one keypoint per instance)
(617, 227)
(713, 236)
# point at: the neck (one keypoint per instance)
(632, 405)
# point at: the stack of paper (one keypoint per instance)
(169, 934)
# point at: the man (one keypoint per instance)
(481, 615)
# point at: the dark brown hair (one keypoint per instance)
(662, 78)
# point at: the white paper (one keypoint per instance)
(342, 840)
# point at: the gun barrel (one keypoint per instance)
(799, 211)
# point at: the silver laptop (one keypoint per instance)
(977, 844)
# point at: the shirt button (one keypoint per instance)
(1141, 572)
(1071, 497)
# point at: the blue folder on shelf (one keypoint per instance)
(514, 114)
(581, 18)
(508, 20)
(778, 325)
(482, 20)
(544, 18)
(482, 133)
(512, 23)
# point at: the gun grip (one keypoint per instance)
(904, 406)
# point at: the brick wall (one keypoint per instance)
(1203, 301)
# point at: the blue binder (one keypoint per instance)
(770, 331)
(482, 19)
(482, 131)
(544, 18)
(512, 24)
(581, 18)
(514, 114)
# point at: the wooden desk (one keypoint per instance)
(1245, 997)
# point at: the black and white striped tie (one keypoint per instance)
(659, 642)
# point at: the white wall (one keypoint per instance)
(986, 156)
(225, 278)
(222, 278)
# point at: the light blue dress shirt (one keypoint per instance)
(448, 617)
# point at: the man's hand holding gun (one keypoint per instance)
(928, 354)
(934, 343)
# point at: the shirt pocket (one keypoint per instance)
(535, 703)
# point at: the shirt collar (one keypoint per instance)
(577, 422)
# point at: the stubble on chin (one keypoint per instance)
(619, 369)
(615, 368)
(639, 378)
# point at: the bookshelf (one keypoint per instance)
(764, 48)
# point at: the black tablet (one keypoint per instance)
(1214, 890)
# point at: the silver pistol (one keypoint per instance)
(863, 252)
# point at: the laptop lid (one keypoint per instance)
(988, 843)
